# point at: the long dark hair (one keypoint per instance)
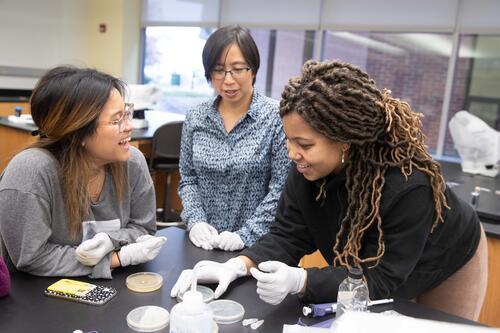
(342, 102)
(65, 105)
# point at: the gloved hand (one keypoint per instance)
(145, 249)
(207, 271)
(143, 238)
(202, 235)
(91, 251)
(228, 241)
(275, 280)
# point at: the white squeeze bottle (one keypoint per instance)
(191, 315)
(353, 293)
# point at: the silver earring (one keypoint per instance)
(342, 157)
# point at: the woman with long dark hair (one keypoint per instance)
(79, 201)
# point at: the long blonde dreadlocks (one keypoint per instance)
(341, 102)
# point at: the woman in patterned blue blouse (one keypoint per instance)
(233, 155)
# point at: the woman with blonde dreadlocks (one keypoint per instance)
(366, 193)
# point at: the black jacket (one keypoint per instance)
(415, 260)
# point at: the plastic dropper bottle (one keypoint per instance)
(353, 293)
(191, 315)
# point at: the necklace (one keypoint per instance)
(95, 185)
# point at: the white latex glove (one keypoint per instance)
(145, 249)
(210, 272)
(228, 241)
(91, 251)
(144, 238)
(275, 280)
(203, 235)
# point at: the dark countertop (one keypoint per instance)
(27, 309)
(15, 95)
(155, 119)
(488, 206)
(14, 99)
(492, 230)
(4, 121)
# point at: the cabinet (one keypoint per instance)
(12, 141)
(7, 108)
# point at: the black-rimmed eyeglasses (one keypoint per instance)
(236, 73)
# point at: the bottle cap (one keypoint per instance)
(144, 282)
(149, 318)
(18, 110)
(191, 296)
(355, 273)
(226, 311)
(306, 311)
(207, 294)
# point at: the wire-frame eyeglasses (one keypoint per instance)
(127, 115)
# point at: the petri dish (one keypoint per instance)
(226, 311)
(149, 318)
(144, 282)
(207, 294)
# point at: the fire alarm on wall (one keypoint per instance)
(102, 28)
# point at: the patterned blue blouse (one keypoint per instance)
(233, 180)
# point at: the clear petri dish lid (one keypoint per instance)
(226, 311)
(144, 282)
(206, 293)
(149, 318)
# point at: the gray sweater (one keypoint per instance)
(34, 233)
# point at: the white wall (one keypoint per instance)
(41, 34)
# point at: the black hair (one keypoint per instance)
(221, 39)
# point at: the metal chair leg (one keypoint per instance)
(168, 213)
